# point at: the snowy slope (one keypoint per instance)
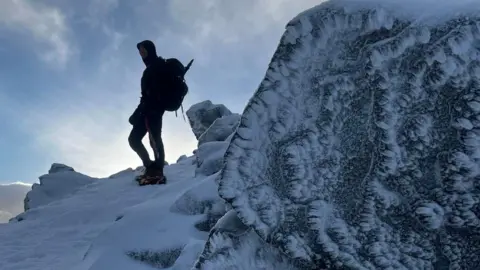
(76, 222)
(58, 235)
(360, 149)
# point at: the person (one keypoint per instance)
(147, 117)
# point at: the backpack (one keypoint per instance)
(177, 87)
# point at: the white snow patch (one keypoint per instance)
(97, 226)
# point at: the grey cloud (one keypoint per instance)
(44, 23)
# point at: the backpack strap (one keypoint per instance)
(183, 113)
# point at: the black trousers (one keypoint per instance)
(151, 123)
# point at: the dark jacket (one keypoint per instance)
(152, 83)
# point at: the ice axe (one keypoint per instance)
(187, 67)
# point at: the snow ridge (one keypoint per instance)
(360, 148)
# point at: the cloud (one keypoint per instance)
(46, 24)
(237, 21)
(99, 10)
(11, 199)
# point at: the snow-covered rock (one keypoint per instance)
(181, 158)
(361, 147)
(202, 115)
(210, 157)
(58, 167)
(199, 199)
(61, 181)
(202, 199)
(232, 245)
(189, 254)
(220, 129)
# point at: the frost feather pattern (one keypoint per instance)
(361, 146)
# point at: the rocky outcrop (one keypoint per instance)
(202, 115)
(220, 129)
(58, 167)
(61, 181)
(181, 158)
(209, 157)
(214, 126)
(360, 149)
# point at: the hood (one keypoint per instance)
(152, 52)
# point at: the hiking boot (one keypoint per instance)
(153, 175)
(152, 180)
(153, 170)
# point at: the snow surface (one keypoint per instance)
(100, 224)
(360, 149)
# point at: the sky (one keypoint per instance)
(70, 74)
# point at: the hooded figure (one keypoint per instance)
(152, 80)
(147, 51)
(147, 118)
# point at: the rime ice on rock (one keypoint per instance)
(361, 147)
(209, 157)
(220, 129)
(202, 115)
(232, 245)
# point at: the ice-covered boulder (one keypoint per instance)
(209, 157)
(58, 167)
(58, 183)
(361, 147)
(202, 199)
(220, 129)
(182, 158)
(243, 247)
(202, 115)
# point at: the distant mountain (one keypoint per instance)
(11, 199)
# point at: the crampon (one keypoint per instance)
(150, 180)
